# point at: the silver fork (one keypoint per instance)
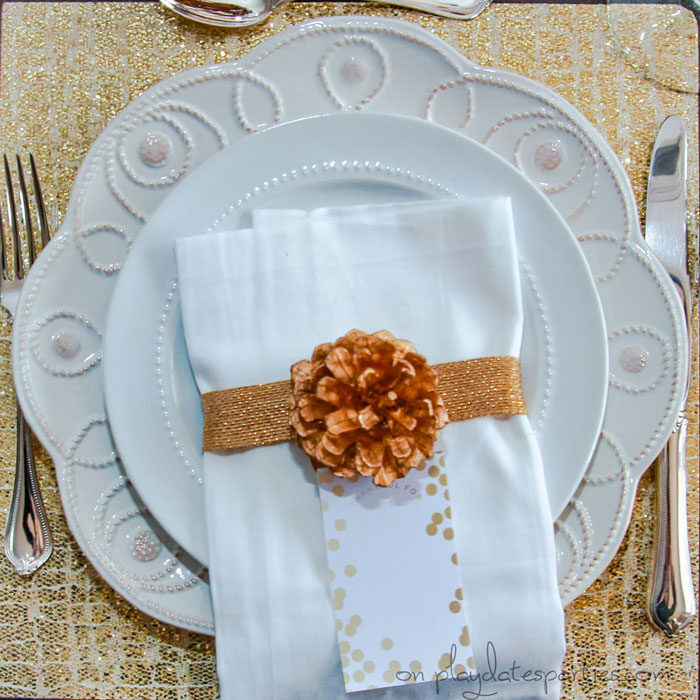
(28, 540)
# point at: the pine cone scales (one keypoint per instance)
(366, 404)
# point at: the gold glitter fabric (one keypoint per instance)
(250, 416)
(485, 386)
(69, 67)
(247, 416)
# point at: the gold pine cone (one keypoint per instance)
(366, 404)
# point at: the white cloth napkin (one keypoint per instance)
(254, 301)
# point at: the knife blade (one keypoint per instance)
(671, 598)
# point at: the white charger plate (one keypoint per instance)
(325, 66)
(152, 401)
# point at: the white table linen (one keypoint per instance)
(444, 275)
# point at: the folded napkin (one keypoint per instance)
(254, 301)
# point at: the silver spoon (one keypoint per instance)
(223, 13)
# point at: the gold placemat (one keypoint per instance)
(70, 67)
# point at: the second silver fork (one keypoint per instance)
(28, 539)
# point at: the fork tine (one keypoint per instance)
(12, 218)
(24, 208)
(41, 209)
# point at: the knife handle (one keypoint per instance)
(672, 599)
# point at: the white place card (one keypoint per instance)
(395, 580)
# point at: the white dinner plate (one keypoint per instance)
(152, 401)
(323, 66)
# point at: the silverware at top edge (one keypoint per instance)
(672, 604)
(222, 13)
(28, 539)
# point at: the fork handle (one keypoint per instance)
(28, 540)
(672, 600)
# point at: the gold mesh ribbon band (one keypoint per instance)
(486, 386)
(252, 416)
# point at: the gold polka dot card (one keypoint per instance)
(395, 579)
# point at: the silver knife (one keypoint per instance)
(671, 597)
